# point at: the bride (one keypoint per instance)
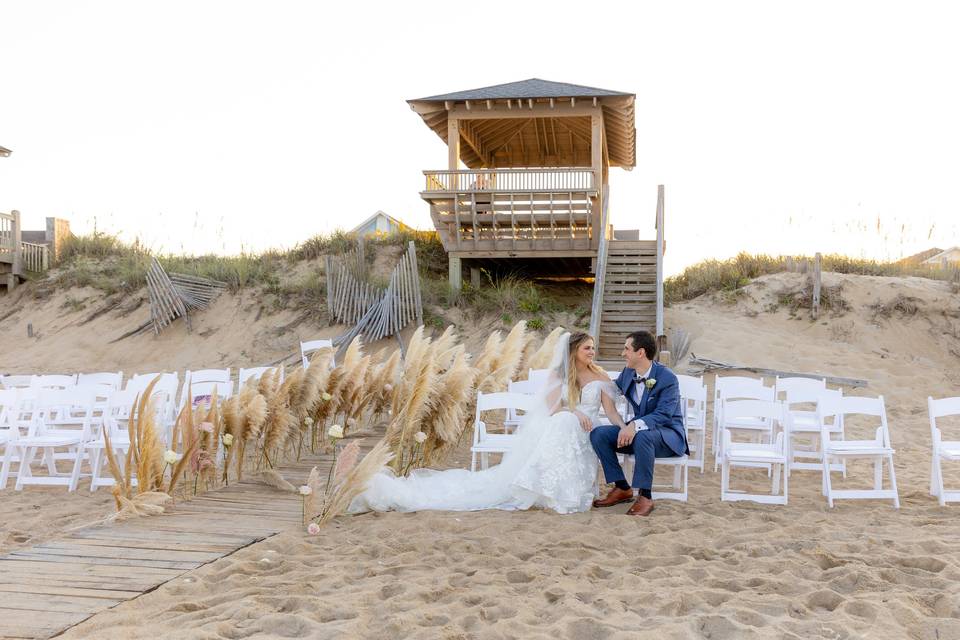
(551, 465)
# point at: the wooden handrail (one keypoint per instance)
(36, 257)
(596, 307)
(510, 180)
(660, 251)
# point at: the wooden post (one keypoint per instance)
(789, 264)
(328, 261)
(475, 277)
(412, 248)
(361, 258)
(453, 151)
(596, 162)
(660, 247)
(456, 273)
(17, 237)
(816, 286)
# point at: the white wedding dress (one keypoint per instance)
(552, 465)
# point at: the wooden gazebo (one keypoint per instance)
(527, 169)
(526, 187)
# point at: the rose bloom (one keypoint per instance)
(313, 528)
(227, 439)
(420, 437)
(326, 396)
(308, 421)
(171, 457)
(305, 490)
(335, 431)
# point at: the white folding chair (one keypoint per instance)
(54, 381)
(693, 402)
(202, 392)
(63, 419)
(943, 450)
(16, 382)
(9, 430)
(513, 418)
(538, 377)
(752, 454)
(168, 384)
(805, 424)
(485, 443)
(254, 373)
(308, 347)
(877, 449)
(114, 380)
(192, 378)
(732, 388)
(114, 422)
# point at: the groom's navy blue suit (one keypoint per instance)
(665, 436)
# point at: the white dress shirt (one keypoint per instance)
(638, 424)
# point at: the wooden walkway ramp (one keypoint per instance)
(53, 586)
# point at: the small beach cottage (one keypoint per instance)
(526, 188)
(950, 256)
(379, 223)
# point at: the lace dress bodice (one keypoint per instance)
(590, 397)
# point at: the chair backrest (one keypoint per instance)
(8, 404)
(693, 401)
(308, 347)
(538, 376)
(689, 382)
(254, 373)
(140, 382)
(115, 380)
(525, 387)
(844, 407)
(64, 409)
(747, 389)
(795, 390)
(770, 412)
(502, 400)
(207, 375)
(935, 408)
(55, 381)
(101, 392)
(16, 382)
(203, 391)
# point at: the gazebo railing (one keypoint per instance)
(509, 180)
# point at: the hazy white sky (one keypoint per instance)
(216, 126)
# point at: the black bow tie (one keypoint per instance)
(639, 379)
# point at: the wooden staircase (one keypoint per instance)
(628, 289)
(629, 301)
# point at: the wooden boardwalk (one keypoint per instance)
(53, 586)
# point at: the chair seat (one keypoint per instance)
(746, 423)
(754, 452)
(50, 440)
(495, 442)
(804, 421)
(950, 450)
(858, 447)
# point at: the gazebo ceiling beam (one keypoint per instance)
(466, 132)
(523, 125)
(527, 110)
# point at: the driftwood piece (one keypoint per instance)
(706, 365)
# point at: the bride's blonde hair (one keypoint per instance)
(573, 387)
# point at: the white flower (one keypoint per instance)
(305, 490)
(650, 382)
(388, 387)
(326, 396)
(335, 431)
(420, 437)
(171, 457)
(227, 439)
(313, 528)
(308, 421)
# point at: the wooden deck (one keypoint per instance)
(53, 586)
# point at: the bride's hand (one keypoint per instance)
(585, 422)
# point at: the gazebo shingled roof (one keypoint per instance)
(555, 133)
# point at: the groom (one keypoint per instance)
(655, 431)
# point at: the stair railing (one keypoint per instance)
(596, 308)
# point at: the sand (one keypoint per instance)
(703, 569)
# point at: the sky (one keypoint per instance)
(221, 127)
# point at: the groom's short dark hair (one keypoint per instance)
(646, 341)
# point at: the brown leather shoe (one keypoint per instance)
(616, 496)
(642, 507)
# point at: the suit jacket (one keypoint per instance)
(659, 408)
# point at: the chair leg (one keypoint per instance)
(484, 460)
(724, 480)
(23, 469)
(786, 481)
(775, 472)
(75, 474)
(827, 488)
(5, 469)
(96, 458)
(893, 483)
(473, 461)
(939, 480)
(933, 474)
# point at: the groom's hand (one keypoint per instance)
(626, 435)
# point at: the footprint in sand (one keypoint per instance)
(824, 599)
(925, 563)
(518, 577)
(861, 609)
(390, 590)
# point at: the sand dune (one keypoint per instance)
(704, 569)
